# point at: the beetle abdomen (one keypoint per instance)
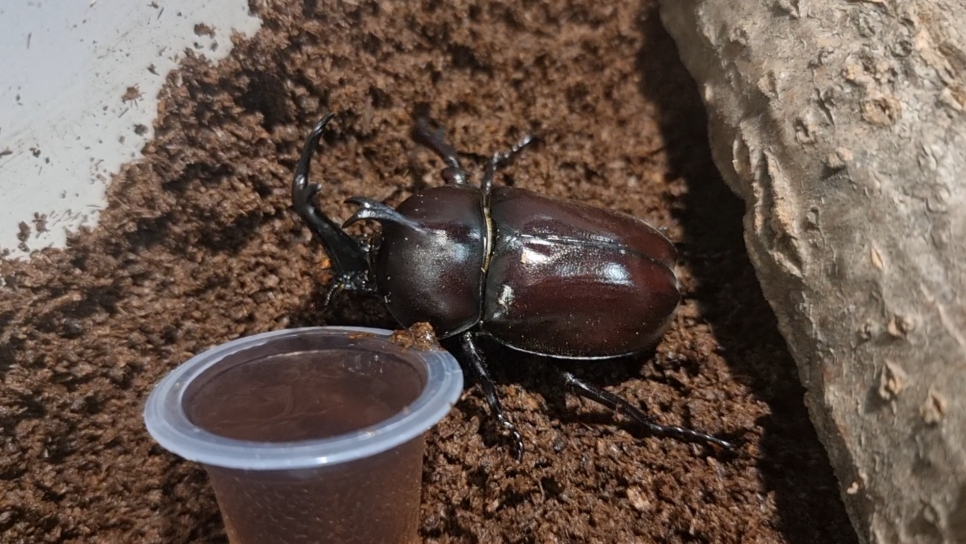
(574, 281)
(431, 270)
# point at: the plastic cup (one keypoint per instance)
(309, 435)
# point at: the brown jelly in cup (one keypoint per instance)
(309, 435)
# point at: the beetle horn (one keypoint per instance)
(346, 254)
(373, 209)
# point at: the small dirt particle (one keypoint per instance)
(420, 336)
(201, 29)
(637, 500)
(131, 94)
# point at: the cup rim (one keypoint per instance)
(168, 424)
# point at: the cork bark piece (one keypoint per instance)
(841, 125)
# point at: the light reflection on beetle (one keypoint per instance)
(540, 275)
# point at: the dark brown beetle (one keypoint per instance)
(540, 275)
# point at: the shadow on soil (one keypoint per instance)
(792, 462)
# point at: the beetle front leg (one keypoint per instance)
(435, 139)
(621, 406)
(349, 260)
(489, 390)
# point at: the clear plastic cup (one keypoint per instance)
(309, 435)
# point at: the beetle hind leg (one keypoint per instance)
(621, 406)
(489, 391)
(696, 253)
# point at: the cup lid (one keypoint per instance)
(168, 423)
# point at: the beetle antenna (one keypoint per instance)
(435, 139)
(501, 159)
(349, 261)
(489, 391)
(620, 405)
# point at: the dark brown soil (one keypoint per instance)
(198, 246)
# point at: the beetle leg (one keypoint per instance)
(349, 260)
(692, 252)
(489, 390)
(620, 405)
(435, 139)
(501, 159)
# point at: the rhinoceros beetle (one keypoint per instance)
(540, 275)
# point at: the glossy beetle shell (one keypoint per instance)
(434, 273)
(570, 280)
(563, 279)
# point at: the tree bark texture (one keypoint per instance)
(842, 126)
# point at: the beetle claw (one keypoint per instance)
(515, 435)
(355, 282)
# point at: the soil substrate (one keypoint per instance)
(198, 245)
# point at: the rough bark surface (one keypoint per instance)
(841, 124)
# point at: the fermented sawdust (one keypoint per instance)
(198, 246)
